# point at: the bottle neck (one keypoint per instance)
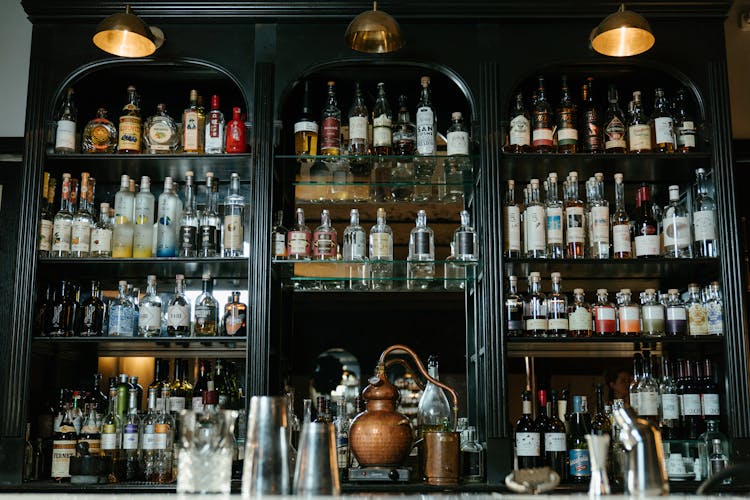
(619, 196)
(207, 286)
(179, 287)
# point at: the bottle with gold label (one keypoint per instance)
(129, 135)
(160, 134)
(99, 135)
(193, 126)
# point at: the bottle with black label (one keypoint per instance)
(591, 120)
(189, 221)
(210, 224)
(421, 260)
(557, 309)
(528, 439)
(465, 240)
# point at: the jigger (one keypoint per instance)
(598, 452)
(266, 470)
(317, 470)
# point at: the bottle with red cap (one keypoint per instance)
(647, 241)
(235, 141)
(214, 142)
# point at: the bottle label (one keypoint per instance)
(664, 130)
(704, 225)
(528, 444)
(66, 135)
(715, 318)
(129, 138)
(214, 130)
(355, 244)
(421, 244)
(306, 126)
(178, 315)
(188, 239)
(45, 235)
(686, 135)
(640, 137)
(554, 226)
(324, 244)
(80, 236)
(554, 441)
(676, 313)
(614, 134)
(149, 438)
(621, 239)
(160, 136)
(209, 238)
(299, 243)
(279, 245)
(648, 403)
(149, 316)
(691, 405)
(676, 231)
(600, 224)
(513, 228)
(121, 321)
(234, 322)
(330, 139)
(381, 131)
(204, 314)
(542, 137)
(520, 131)
(465, 246)
(190, 131)
(534, 220)
(425, 131)
(130, 437)
(61, 234)
(109, 438)
(557, 324)
(533, 324)
(176, 403)
(95, 445)
(652, 313)
(358, 128)
(62, 450)
(233, 232)
(458, 143)
(592, 137)
(580, 319)
(574, 223)
(630, 321)
(197, 403)
(647, 244)
(670, 407)
(580, 465)
(698, 319)
(710, 404)
(567, 136)
(380, 246)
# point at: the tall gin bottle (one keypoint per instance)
(355, 248)
(704, 219)
(424, 163)
(167, 221)
(534, 224)
(575, 230)
(511, 223)
(143, 232)
(554, 212)
(621, 243)
(234, 219)
(676, 227)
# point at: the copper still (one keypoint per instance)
(380, 436)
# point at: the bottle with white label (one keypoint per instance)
(80, 239)
(669, 407)
(621, 242)
(710, 406)
(424, 164)
(278, 237)
(575, 226)
(639, 131)
(557, 309)
(234, 219)
(511, 223)
(598, 219)
(62, 226)
(684, 124)
(527, 437)
(535, 309)
(149, 315)
(178, 311)
(676, 323)
(714, 309)
(457, 165)
(381, 253)
(111, 431)
(535, 224)
(130, 437)
(661, 119)
(299, 239)
(168, 212)
(652, 314)
(101, 234)
(554, 217)
(628, 314)
(691, 410)
(579, 315)
(696, 310)
(647, 241)
(420, 267)
(359, 143)
(65, 138)
(676, 227)
(519, 135)
(704, 219)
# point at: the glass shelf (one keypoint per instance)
(219, 346)
(700, 270)
(407, 158)
(603, 347)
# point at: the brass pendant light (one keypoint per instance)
(374, 32)
(621, 34)
(125, 34)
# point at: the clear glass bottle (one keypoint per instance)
(465, 240)
(80, 239)
(305, 128)
(404, 146)
(129, 132)
(519, 135)
(714, 309)
(160, 133)
(647, 238)
(99, 135)
(534, 224)
(65, 138)
(235, 317)
(669, 406)
(325, 239)
(424, 164)
(193, 126)
(628, 314)
(433, 411)
(704, 219)
(130, 438)
(599, 220)
(554, 218)
(639, 131)
(143, 230)
(567, 121)
(150, 310)
(209, 233)
(206, 310)
(652, 314)
(234, 220)
(512, 223)
(676, 324)
(330, 137)
(381, 253)
(355, 249)
(62, 226)
(111, 433)
(299, 238)
(148, 436)
(189, 221)
(121, 313)
(214, 140)
(122, 232)
(382, 124)
(535, 309)
(279, 237)
(621, 242)
(575, 228)
(579, 315)
(163, 443)
(359, 144)
(614, 125)
(178, 311)
(514, 307)
(91, 314)
(557, 309)
(684, 124)
(663, 123)
(421, 265)
(167, 226)
(676, 227)
(457, 163)
(697, 314)
(542, 122)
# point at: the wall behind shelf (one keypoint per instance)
(15, 40)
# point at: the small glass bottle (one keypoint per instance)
(579, 315)
(160, 133)
(535, 316)
(99, 135)
(605, 315)
(214, 140)
(519, 135)
(178, 311)
(121, 314)
(129, 132)
(278, 237)
(206, 310)
(514, 321)
(235, 136)
(714, 309)
(629, 315)
(704, 219)
(697, 314)
(511, 223)
(299, 239)
(235, 317)
(421, 265)
(652, 314)
(65, 139)
(234, 219)
(325, 239)
(150, 311)
(557, 309)
(676, 324)
(472, 458)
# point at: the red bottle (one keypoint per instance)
(236, 133)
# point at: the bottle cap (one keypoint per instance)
(578, 291)
(555, 276)
(425, 81)
(456, 115)
(625, 291)
(206, 277)
(650, 290)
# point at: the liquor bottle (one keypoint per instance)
(201, 385)
(330, 140)
(160, 134)
(111, 433)
(355, 239)
(143, 230)
(621, 244)
(193, 127)
(557, 309)
(62, 226)
(64, 442)
(591, 120)
(519, 136)
(647, 241)
(648, 393)
(512, 224)
(59, 322)
(235, 136)
(91, 314)
(163, 444)
(514, 324)
(535, 315)
(555, 445)
(121, 313)
(99, 134)
(599, 220)
(279, 237)
(579, 315)
(684, 124)
(404, 131)
(101, 234)
(325, 239)
(541, 422)
(91, 431)
(80, 239)
(652, 314)
(176, 393)
(131, 427)
(639, 131)
(189, 222)
(306, 129)
(150, 311)
(575, 231)
(579, 470)
(167, 222)
(358, 124)
(178, 311)
(554, 218)
(421, 266)
(567, 121)
(46, 222)
(691, 409)
(669, 407)
(534, 224)
(424, 167)
(65, 138)
(299, 239)
(148, 435)
(129, 135)
(710, 407)
(209, 235)
(704, 219)
(465, 240)
(234, 219)
(381, 253)
(457, 163)
(676, 227)
(235, 317)
(206, 310)
(614, 125)
(214, 140)
(122, 232)
(600, 424)
(676, 323)
(663, 124)
(714, 309)
(382, 122)
(528, 439)
(472, 458)
(628, 315)
(541, 122)
(696, 311)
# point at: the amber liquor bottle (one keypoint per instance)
(614, 125)
(541, 135)
(130, 133)
(639, 131)
(591, 122)
(567, 121)
(663, 125)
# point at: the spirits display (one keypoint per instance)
(65, 138)
(99, 134)
(160, 135)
